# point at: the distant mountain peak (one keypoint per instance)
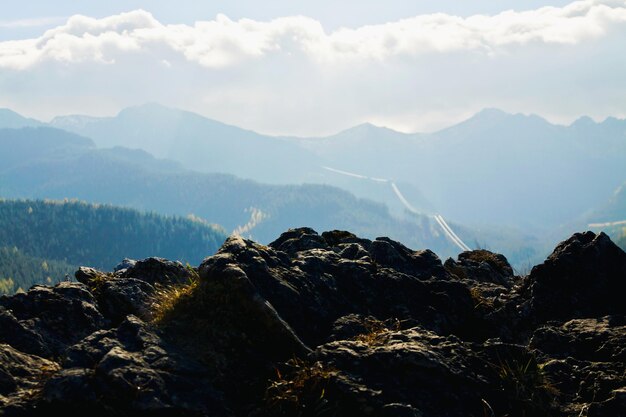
(13, 120)
(150, 108)
(369, 129)
(492, 112)
(493, 116)
(584, 121)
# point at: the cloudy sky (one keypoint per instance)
(312, 68)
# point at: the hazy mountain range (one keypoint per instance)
(64, 165)
(497, 173)
(495, 168)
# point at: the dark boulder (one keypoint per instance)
(158, 271)
(120, 297)
(21, 336)
(131, 371)
(584, 277)
(296, 240)
(21, 376)
(59, 315)
(482, 266)
(324, 325)
(312, 288)
(594, 339)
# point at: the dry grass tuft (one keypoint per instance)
(479, 299)
(303, 391)
(378, 331)
(481, 255)
(167, 297)
(530, 390)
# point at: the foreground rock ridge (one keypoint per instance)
(324, 325)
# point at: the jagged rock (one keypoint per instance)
(20, 336)
(483, 266)
(595, 339)
(118, 297)
(124, 265)
(131, 370)
(312, 288)
(258, 320)
(584, 277)
(297, 240)
(418, 372)
(580, 384)
(585, 360)
(158, 271)
(420, 264)
(350, 326)
(335, 238)
(324, 325)
(60, 315)
(21, 376)
(89, 276)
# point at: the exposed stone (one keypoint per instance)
(595, 339)
(324, 325)
(158, 271)
(60, 315)
(584, 277)
(483, 266)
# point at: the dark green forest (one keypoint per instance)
(61, 235)
(18, 271)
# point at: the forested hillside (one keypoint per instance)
(19, 271)
(63, 235)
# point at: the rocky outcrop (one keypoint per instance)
(324, 279)
(583, 277)
(324, 325)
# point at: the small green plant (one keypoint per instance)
(302, 392)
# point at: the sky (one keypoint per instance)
(314, 68)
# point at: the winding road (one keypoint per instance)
(445, 227)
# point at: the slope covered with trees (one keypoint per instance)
(19, 271)
(48, 239)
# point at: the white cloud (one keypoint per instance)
(290, 76)
(222, 42)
